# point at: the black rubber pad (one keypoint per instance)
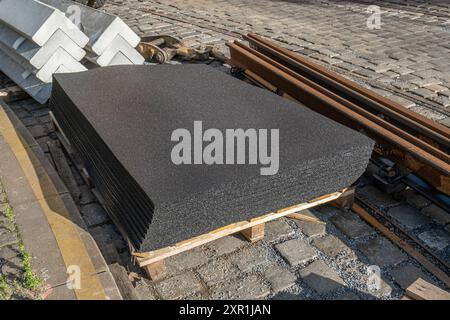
(120, 120)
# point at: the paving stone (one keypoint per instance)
(351, 225)
(279, 278)
(374, 195)
(381, 252)
(406, 275)
(368, 73)
(226, 245)
(424, 93)
(7, 238)
(402, 101)
(441, 100)
(274, 230)
(437, 214)
(9, 251)
(445, 121)
(426, 82)
(320, 277)
(217, 271)
(435, 238)
(186, 260)
(403, 85)
(86, 196)
(94, 214)
(12, 269)
(288, 296)
(418, 201)
(296, 251)
(250, 287)
(37, 131)
(144, 290)
(436, 88)
(309, 228)
(330, 245)
(348, 296)
(382, 92)
(408, 216)
(250, 258)
(179, 286)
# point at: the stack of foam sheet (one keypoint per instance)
(36, 41)
(121, 120)
(111, 41)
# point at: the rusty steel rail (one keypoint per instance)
(414, 140)
(426, 160)
(413, 123)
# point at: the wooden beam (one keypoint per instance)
(255, 233)
(146, 258)
(156, 270)
(304, 217)
(346, 200)
(422, 290)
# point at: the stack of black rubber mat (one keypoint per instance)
(121, 121)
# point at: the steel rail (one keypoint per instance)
(405, 135)
(390, 222)
(431, 168)
(402, 117)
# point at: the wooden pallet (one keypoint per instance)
(252, 230)
(153, 262)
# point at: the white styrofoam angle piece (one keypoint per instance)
(118, 59)
(58, 58)
(100, 27)
(37, 55)
(118, 45)
(27, 81)
(37, 21)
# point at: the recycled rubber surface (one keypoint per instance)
(120, 119)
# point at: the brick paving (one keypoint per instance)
(296, 260)
(405, 60)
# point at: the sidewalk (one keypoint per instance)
(48, 220)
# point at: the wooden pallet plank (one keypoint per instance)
(146, 258)
(423, 290)
(156, 270)
(347, 199)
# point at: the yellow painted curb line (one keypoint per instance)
(72, 248)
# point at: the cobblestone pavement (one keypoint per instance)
(296, 260)
(405, 60)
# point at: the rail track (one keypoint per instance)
(403, 136)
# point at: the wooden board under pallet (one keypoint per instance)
(253, 230)
(423, 290)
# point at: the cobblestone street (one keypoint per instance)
(407, 60)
